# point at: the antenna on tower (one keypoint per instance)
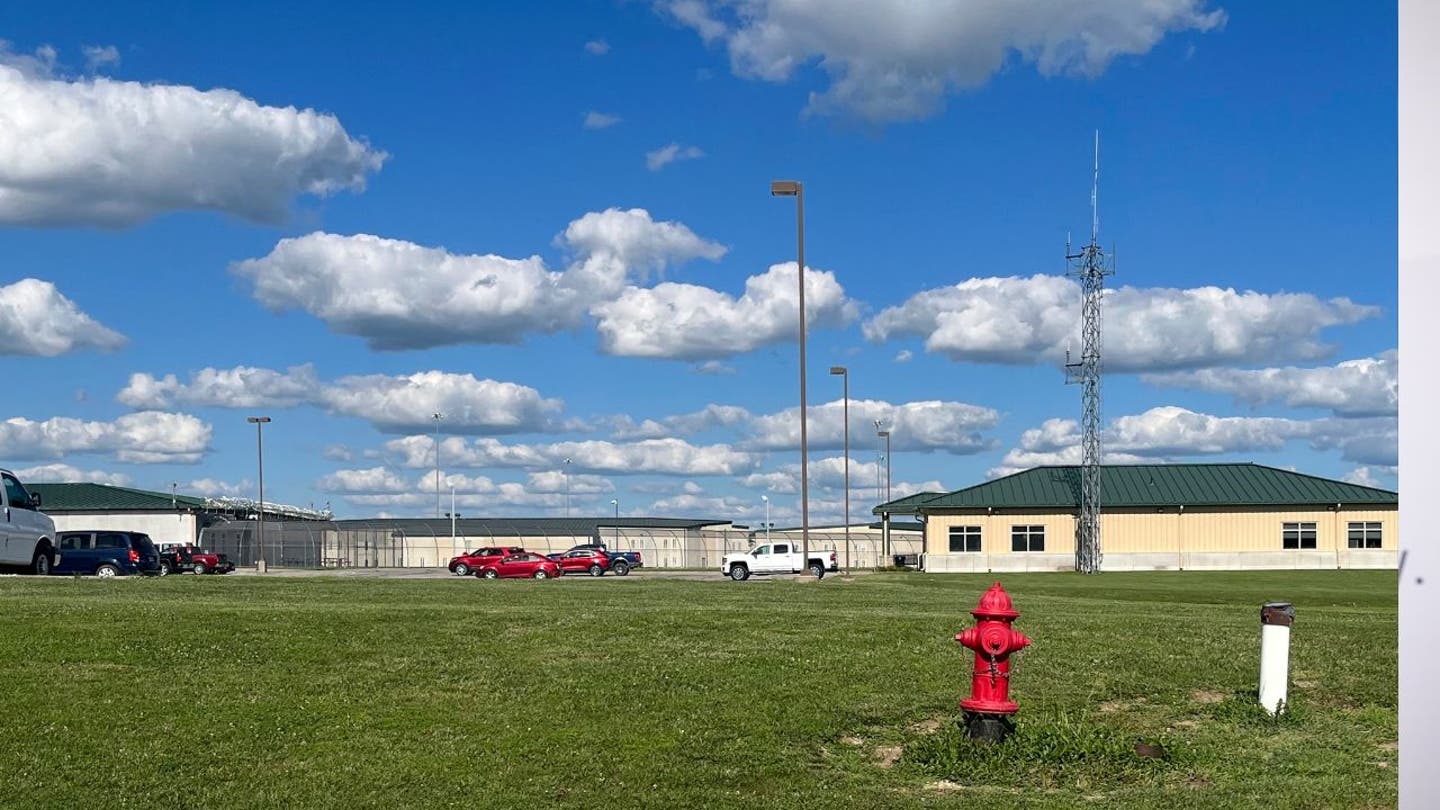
(1090, 265)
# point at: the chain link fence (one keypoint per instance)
(422, 544)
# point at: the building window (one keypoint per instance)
(1299, 535)
(1365, 534)
(964, 538)
(1027, 538)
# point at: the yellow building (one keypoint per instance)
(1159, 516)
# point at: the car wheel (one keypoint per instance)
(817, 570)
(596, 570)
(739, 573)
(541, 574)
(490, 573)
(198, 568)
(621, 568)
(164, 569)
(40, 564)
(107, 571)
(461, 569)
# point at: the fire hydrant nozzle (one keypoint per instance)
(988, 709)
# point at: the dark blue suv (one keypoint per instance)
(105, 553)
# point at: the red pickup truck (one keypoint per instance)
(177, 558)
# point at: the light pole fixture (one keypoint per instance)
(844, 374)
(766, 499)
(437, 416)
(796, 189)
(567, 487)
(258, 421)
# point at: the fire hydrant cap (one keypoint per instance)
(995, 604)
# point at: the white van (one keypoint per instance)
(26, 533)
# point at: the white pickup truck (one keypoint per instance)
(777, 558)
(26, 533)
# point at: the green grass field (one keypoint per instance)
(325, 692)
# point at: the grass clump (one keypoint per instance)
(1061, 751)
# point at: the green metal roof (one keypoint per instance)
(905, 505)
(103, 497)
(1132, 485)
(523, 527)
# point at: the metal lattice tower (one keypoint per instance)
(1090, 265)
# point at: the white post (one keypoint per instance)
(1275, 621)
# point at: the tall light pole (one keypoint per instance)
(615, 502)
(567, 487)
(845, 378)
(766, 499)
(437, 416)
(258, 421)
(452, 517)
(794, 188)
(886, 537)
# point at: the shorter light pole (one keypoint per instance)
(567, 487)
(258, 421)
(886, 434)
(437, 416)
(766, 499)
(615, 502)
(845, 379)
(452, 519)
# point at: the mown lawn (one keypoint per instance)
(213, 692)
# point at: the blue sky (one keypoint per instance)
(482, 220)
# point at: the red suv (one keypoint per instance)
(473, 561)
(590, 560)
(524, 564)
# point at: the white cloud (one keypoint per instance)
(400, 295)
(147, 437)
(904, 356)
(35, 319)
(467, 405)
(927, 425)
(654, 456)
(1171, 433)
(597, 47)
(372, 480)
(599, 120)
(239, 387)
(714, 368)
(96, 151)
(553, 481)
(1364, 387)
(707, 418)
(897, 60)
(827, 477)
(390, 403)
(1020, 321)
(98, 56)
(66, 474)
(657, 159)
(338, 452)
(690, 322)
(215, 488)
(1378, 477)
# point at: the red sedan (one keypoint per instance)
(519, 565)
(472, 561)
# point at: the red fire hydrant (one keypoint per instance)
(988, 709)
